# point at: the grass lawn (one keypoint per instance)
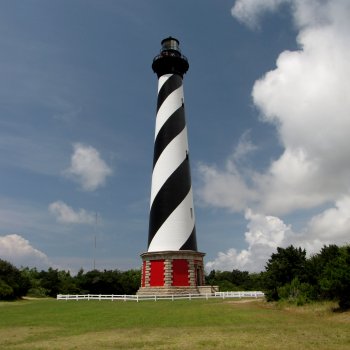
(196, 324)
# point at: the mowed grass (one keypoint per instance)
(196, 324)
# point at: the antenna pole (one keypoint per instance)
(95, 240)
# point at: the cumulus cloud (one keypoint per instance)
(244, 148)
(227, 188)
(250, 11)
(87, 167)
(264, 235)
(17, 250)
(306, 99)
(223, 188)
(332, 225)
(67, 215)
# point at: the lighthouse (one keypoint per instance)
(172, 263)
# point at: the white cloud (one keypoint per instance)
(227, 188)
(306, 98)
(66, 214)
(88, 168)
(231, 260)
(17, 250)
(244, 148)
(264, 235)
(332, 225)
(250, 11)
(223, 188)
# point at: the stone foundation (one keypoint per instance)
(171, 273)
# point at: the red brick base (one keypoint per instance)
(172, 272)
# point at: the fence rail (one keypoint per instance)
(137, 298)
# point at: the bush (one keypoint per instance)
(335, 278)
(284, 266)
(296, 292)
(38, 292)
(12, 284)
(6, 292)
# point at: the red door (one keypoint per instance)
(157, 273)
(180, 272)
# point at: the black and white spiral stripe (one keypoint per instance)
(172, 222)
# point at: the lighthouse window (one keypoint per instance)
(170, 44)
(191, 211)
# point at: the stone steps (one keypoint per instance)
(167, 291)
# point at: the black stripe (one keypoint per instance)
(170, 129)
(172, 193)
(173, 83)
(191, 243)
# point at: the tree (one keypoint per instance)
(12, 284)
(241, 279)
(296, 292)
(255, 282)
(67, 283)
(130, 281)
(6, 292)
(35, 290)
(49, 280)
(315, 269)
(97, 282)
(335, 278)
(223, 279)
(283, 266)
(234, 280)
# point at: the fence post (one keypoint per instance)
(125, 297)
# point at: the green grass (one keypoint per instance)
(196, 324)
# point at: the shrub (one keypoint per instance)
(296, 292)
(12, 284)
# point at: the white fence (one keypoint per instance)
(114, 297)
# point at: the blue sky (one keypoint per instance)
(267, 111)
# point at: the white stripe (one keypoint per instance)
(172, 156)
(162, 80)
(176, 229)
(172, 103)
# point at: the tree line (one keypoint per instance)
(15, 283)
(289, 275)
